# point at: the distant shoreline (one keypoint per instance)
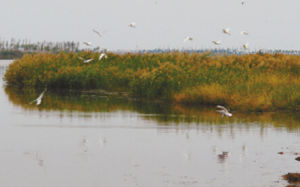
(10, 54)
(6, 54)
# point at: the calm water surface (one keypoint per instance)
(86, 139)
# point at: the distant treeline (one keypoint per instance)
(227, 51)
(17, 48)
(14, 48)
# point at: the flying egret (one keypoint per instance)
(188, 38)
(97, 32)
(103, 55)
(86, 60)
(39, 99)
(245, 46)
(244, 33)
(216, 42)
(87, 43)
(223, 111)
(132, 25)
(226, 31)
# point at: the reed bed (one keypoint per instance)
(251, 82)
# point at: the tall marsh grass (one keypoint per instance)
(253, 82)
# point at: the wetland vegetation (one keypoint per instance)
(249, 82)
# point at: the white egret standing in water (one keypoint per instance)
(223, 111)
(39, 99)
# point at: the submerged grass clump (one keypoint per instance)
(252, 82)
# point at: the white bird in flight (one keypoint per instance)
(226, 31)
(188, 38)
(222, 110)
(245, 46)
(97, 32)
(132, 25)
(216, 42)
(39, 99)
(244, 33)
(103, 55)
(87, 43)
(86, 60)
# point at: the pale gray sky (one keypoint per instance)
(271, 24)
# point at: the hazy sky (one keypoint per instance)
(271, 24)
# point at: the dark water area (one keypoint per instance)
(86, 139)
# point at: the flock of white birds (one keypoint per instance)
(218, 42)
(102, 55)
(227, 32)
(221, 109)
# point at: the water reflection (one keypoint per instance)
(92, 104)
(222, 157)
(97, 138)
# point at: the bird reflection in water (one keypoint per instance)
(84, 144)
(223, 157)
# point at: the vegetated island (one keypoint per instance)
(249, 82)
